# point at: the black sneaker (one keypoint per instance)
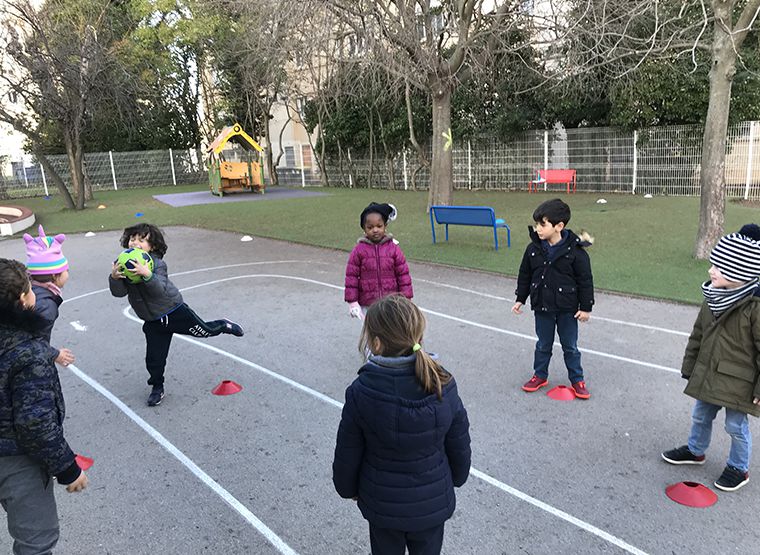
(156, 396)
(732, 479)
(682, 455)
(233, 328)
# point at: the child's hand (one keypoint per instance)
(517, 308)
(355, 310)
(116, 272)
(141, 269)
(756, 401)
(65, 357)
(582, 316)
(79, 484)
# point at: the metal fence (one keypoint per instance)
(657, 161)
(25, 177)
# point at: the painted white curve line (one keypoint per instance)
(241, 509)
(453, 318)
(594, 317)
(245, 362)
(556, 344)
(321, 396)
(225, 267)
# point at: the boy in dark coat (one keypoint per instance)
(556, 273)
(32, 446)
(722, 359)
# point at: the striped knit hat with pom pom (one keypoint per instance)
(737, 256)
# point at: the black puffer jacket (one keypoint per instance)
(31, 400)
(400, 450)
(564, 284)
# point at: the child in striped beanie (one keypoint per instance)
(721, 359)
(48, 269)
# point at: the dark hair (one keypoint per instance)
(44, 278)
(555, 211)
(399, 325)
(384, 210)
(154, 236)
(13, 283)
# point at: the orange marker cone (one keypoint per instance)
(227, 387)
(691, 494)
(562, 393)
(84, 462)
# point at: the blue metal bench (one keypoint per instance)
(468, 215)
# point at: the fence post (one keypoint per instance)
(350, 178)
(749, 159)
(546, 154)
(469, 165)
(406, 177)
(23, 169)
(44, 180)
(113, 171)
(303, 172)
(635, 160)
(171, 161)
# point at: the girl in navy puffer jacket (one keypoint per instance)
(403, 442)
(377, 266)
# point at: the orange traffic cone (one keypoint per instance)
(691, 494)
(84, 462)
(227, 387)
(562, 393)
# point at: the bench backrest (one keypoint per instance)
(464, 215)
(557, 176)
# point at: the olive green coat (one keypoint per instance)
(722, 360)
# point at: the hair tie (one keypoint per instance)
(416, 347)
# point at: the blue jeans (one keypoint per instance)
(567, 329)
(737, 426)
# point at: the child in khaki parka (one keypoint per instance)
(721, 359)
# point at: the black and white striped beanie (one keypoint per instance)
(737, 256)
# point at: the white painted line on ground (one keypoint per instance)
(201, 270)
(594, 316)
(449, 317)
(558, 513)
(245, 362)
(77, 325)
(322, 397)
(241, 509)
(533, 338)
(489, 479)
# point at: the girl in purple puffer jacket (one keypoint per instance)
(377, 266)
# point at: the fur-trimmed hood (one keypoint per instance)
(582, 240)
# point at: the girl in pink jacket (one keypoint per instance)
(376, 267)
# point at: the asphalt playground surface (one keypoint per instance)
(250, 473)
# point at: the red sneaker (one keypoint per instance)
(580, 390)
(534, 384)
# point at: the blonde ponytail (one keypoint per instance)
(399, 325)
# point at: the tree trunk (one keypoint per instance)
(74, 154)
(442, 167)
(712, 179)
(52, 174)
(274, 179)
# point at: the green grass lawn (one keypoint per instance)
(642, 246)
